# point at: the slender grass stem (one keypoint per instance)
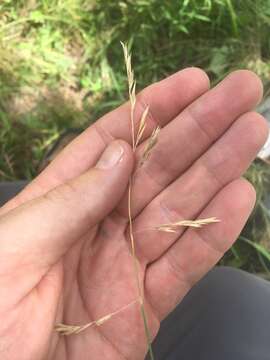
(137, 274)
(135, 141)
(133, 252)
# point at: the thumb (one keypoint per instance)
(36, 234)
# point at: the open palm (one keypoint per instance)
(79, 266)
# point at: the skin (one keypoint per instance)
(64, 248)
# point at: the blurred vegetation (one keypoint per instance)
(61, 67)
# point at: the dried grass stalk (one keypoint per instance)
(66, 330)
(173, 227)
(135, 141)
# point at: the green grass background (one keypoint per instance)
(61, 66)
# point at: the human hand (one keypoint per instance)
(64, 249)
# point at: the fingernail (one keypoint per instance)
(111, 156)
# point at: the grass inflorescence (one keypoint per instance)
(150, 143)
(136, 137)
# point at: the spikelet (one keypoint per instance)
(150, 144)
(142, 126)
(173, 227)
(67, 330)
